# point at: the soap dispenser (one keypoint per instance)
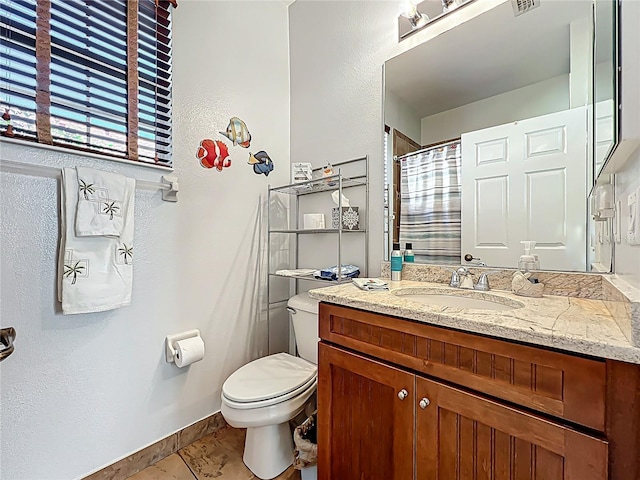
(524, 282)
(528, 261)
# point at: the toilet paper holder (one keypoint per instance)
(170, 341)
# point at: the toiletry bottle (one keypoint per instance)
(396, 263)
(529, 262)
(408, 253)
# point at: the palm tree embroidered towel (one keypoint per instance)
(101, 208)
(94, 273)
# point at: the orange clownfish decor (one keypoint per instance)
(213, 153)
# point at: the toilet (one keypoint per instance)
(263, 395)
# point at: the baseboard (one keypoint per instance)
(123, 469)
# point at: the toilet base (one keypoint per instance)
(268, 451)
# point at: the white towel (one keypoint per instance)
(101, 209)
(94, 273)
(299, 272)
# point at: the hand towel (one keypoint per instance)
(101, 209)
(94, 273)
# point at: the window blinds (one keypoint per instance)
(18, 64)
(89, 74)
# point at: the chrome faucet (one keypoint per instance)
(465, 278)
(461, 278)
(483, 281)
(455, 278)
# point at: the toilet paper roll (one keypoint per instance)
(188, 351)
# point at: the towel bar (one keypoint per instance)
(169, 184)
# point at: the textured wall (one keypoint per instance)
(533, 100)
(627, 256)
(82, 391)
(401, 116)
(336, 51)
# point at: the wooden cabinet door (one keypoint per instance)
(461, 436)
(365, 430)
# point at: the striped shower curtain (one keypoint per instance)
(430, 209)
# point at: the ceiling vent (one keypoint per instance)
(523, 6)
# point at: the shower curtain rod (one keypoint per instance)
(425, 149)
(169, 184)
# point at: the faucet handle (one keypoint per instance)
(455, 278)
(483, 281)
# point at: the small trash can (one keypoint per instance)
(305, 455)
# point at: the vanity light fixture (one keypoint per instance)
(409, 10)
(412, 17)
(448, 5)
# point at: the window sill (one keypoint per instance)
(80, 153)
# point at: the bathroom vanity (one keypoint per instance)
(548, 389)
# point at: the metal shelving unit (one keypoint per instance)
(339, 182)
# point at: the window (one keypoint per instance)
(93, 75)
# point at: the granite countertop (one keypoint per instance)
(567, 323)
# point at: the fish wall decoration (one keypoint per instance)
(213, 153)
(261, 162)
(238, 133)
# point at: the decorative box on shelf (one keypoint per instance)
(301, 172)
(350, 218)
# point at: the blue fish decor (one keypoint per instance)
(238, 133)
(261, 163)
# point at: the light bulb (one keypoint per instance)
(409, 10)
(448, 5)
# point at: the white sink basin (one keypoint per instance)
(470, 300)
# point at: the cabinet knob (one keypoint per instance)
(402, 394)
(424, 403)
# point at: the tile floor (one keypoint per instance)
(218, 455)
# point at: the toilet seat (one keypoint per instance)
(271, 401)
(268, 380)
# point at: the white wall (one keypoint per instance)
(534, 100)
(401, 116)
(628, 256)
(337, 50)
(83, 391)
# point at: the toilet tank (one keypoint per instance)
(304, 315)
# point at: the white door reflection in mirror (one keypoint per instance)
(527, 180)
(604, 132)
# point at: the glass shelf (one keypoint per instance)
(325, 184)
(318, 230)
(311, 278)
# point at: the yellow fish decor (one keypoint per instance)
(238, 133)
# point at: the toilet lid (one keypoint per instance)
(268, 377)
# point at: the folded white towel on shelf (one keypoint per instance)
(299, 272)
(94, 273)
(101, 208)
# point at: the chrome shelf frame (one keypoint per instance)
(331, 183)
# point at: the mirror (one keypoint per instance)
(605, 121)
(488, 126)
